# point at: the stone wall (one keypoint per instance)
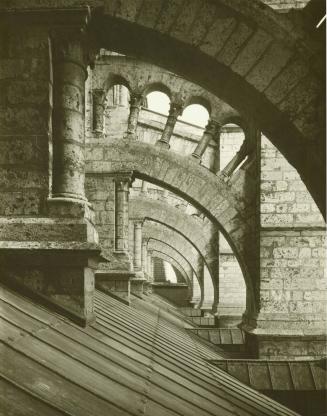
(232, 291)
(293, 281)
(285, 200)
(177, 294)
(25, 106)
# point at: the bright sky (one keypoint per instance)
(169, 272)
(194, 113)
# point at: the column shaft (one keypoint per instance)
(138, 245)
(69, 75)
(209, 133)
(174, 111)
(135, 106)
(237, 159)
(121, 213)
(98, 110)
(144, 256)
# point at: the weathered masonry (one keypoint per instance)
(162, 259)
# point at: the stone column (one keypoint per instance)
(236, 160)
(69, 62)
(60, 254)
(196, 291)
(150, 265)
(144, 256)
(115, 277)
(216, 163)
(144, 187)
(98, 110)
(138, 245)
(136, 100)
(174, 111)
(210, 132)
(138, 280)
(146, 284)
(122, 184)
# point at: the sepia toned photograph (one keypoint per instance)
(163, 208)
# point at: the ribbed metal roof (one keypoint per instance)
(277, 375)
(136, 360)
(221, 336)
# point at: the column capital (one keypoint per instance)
(136, 99)
(72, 39)
(138, 223)
(175, 109)
(213, 127)
(98, 93)
(122, 179)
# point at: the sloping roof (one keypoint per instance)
(223, 336)
(277, 375)
(135, 360)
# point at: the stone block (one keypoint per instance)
(114, 283)
(149, 11)
(251, 52)
(28, 92)
(185, 21)
(276, 219)
(286, 252)
(27, 202)
(307, 90)
(305, 252)
(167, 17)
(23, 120)
(61, 279)
(288, 78)
(217, 35)
(236, 40)
(137, 287)
(270, 64)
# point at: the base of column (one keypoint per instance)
(115, 283)
(137, 287)
(147, 288)
(66, 207)
(162, 144)
(122, 261)
(195, 303)
(59, 276)
(229, 316)
(273, 337)
(196, 158)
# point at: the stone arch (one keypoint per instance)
(195, 99)
(145, 78)
(161, 233)
(161, 246)
(227, 205)
(235, 49)
(116, 79)
(157, 86)
(192, 230)
(173, 262)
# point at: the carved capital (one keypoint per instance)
(136, 99)
(72, 40)
(175, 109)
(213, 127)
(123, 180)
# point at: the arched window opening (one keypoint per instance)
(158, 101)
(116, 110)
(118, 95)
(195, 114)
